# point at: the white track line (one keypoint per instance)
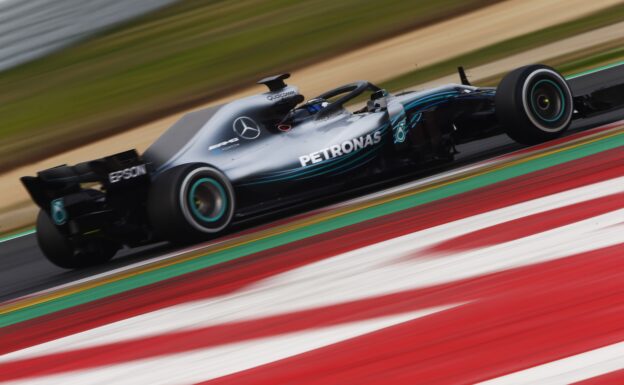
(568, 370)
(375, 270)
(205, 364)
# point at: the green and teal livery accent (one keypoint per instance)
(58, 212)
(399, 128)
(415, 119)
(431, 100)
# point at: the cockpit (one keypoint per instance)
(327, 104)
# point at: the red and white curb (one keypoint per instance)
(317, 316)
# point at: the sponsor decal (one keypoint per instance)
(128, 173)
(58, 212)
(281, 95)
(246, 128)
(400, 131)
(223, 145)
(341, 149)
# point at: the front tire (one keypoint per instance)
(534, 104)
(190, 203)
(62, 252)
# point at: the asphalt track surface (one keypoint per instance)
(24, 270)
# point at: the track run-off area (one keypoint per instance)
(507, 271)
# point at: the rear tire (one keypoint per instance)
(59, 250)
(190, 203)
(534, 104)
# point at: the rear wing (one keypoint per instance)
(120, 171)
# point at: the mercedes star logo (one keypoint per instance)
(246, 128)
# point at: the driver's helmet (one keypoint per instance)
(299, 114)
(315, 105)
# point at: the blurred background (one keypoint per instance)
(81, 79)
(495, 266)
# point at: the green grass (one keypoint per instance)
(509, 47)
(183, 55)
(580, 63)
(577, 62)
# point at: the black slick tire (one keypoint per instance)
(190, 203)
(63, 253)
(534, 104)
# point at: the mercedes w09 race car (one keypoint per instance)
(220, 166)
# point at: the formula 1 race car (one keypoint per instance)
(220, 166)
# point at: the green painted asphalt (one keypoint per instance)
(328, 225)
(17, 235)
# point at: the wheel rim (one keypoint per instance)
(530, 93)
(207, 200)
(547, 100)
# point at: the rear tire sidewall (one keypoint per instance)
(171, 209)
(516, 110)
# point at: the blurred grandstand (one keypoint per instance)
(31, 29)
